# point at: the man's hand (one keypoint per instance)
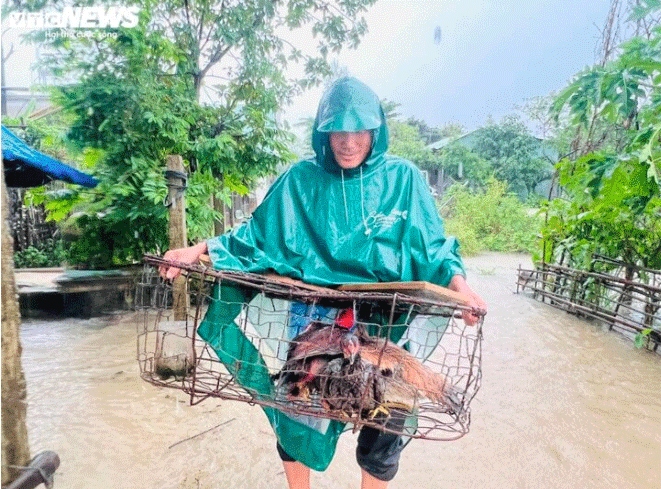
(458, 284)
(184, 255)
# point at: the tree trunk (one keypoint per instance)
(177, 229)
(3, 106)
(219, 224)
(15, 448)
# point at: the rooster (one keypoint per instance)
(311, 351)
(348, 387)
(395, 362)
(381, 376)
(357, 373)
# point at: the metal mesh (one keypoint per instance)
(419, 384)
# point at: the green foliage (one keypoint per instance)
(464, 164)
(613, 204)
(390, 109)
(490, 219)
(451, 130)
(432, 134)
(51, 253)
(60, 200)
(514, 154)
(406, 142)
(505, 150)
(142, 95)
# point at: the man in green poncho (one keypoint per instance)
(351, 213)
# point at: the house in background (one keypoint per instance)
(440, 181)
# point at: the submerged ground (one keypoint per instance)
(564, 404)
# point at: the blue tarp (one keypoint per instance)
(27, 167)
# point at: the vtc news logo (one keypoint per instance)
(76, 17)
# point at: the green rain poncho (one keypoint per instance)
(327, 226)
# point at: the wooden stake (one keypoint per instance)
(177, 230)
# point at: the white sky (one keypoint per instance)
(493, 55)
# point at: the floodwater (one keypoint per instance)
(564, 404)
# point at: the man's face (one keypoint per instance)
(350, 148)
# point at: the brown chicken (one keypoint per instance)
(401, 365)
(357, 373)
(310, 352)
(382, 376)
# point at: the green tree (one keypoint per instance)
(514, 154)
(613, 200)
(451, 130)
(406, 142)
(489, 219)
(427, 133)
(461, 163)
(390, 109)
(142, 95)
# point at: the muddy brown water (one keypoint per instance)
(564, 404)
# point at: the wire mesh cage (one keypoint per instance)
(397, 362)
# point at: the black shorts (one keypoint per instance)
(377, 452)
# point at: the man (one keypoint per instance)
(351, 213)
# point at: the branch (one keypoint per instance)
(214, 58)
(200, 28)
(213, 24)
(5, 57)
(334, 7)
(202, 433)
(187, 11)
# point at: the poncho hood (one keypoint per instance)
(349, 106)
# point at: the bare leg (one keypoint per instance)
(298, 475)
(370, 482)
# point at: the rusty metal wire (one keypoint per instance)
(172, 354)
(629, 305)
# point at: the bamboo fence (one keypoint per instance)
(626, 297)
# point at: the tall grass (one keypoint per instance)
(489, 219)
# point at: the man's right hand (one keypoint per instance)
(458, 284)
(183, 255)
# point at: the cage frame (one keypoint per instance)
(273, 287)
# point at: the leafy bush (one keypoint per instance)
(611, 192)
(50, 254)
(490, 220)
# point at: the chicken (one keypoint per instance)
(311, 351)
(382, 376)
(402, 365)
(357, 373)
(350, 387)
(362, 387)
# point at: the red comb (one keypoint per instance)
(345, 319)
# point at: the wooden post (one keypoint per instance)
(177, 232)
(219, 224)
(15, 448)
